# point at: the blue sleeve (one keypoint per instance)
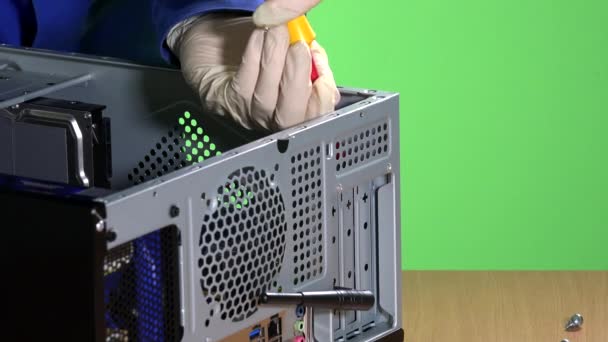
(17, 23)
(167, 13)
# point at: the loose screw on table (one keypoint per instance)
(575, 322)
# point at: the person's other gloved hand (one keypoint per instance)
(277, 12)
(253, 75)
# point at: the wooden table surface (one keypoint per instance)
(447, 306)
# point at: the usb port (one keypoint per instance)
(257, 334)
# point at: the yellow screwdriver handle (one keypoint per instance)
(300, 30)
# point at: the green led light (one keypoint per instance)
(194, 151)
(181, 121)
(239, 193)
(250, 194)
(200, 159)
(189, 157)
(245, 202)
(188, 143)
(200, 145)
(194, 137)
(232, 199)
(206, 138)
(238, 206)
(212, 146)
(218, 153)
(193, 122)
(206, 153)
(199, 131)
(188, 129)
(183, 149)
(187, 115)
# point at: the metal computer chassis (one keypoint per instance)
(201, 216)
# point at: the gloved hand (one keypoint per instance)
(253, 75)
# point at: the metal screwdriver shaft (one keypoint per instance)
(335, 299)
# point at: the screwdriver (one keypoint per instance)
(335, 299)
(300, 30)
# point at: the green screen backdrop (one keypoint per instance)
(504, 124)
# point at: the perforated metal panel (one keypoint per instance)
(242, 243)
(141, 289)
(306, 220)
(185, 143)
(365, 145)
(197, 143)
(164, 156)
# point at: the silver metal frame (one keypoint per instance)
(360, 203)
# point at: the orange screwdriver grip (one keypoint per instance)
(300, 30)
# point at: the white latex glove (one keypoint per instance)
(277, 12)
(250, 74)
